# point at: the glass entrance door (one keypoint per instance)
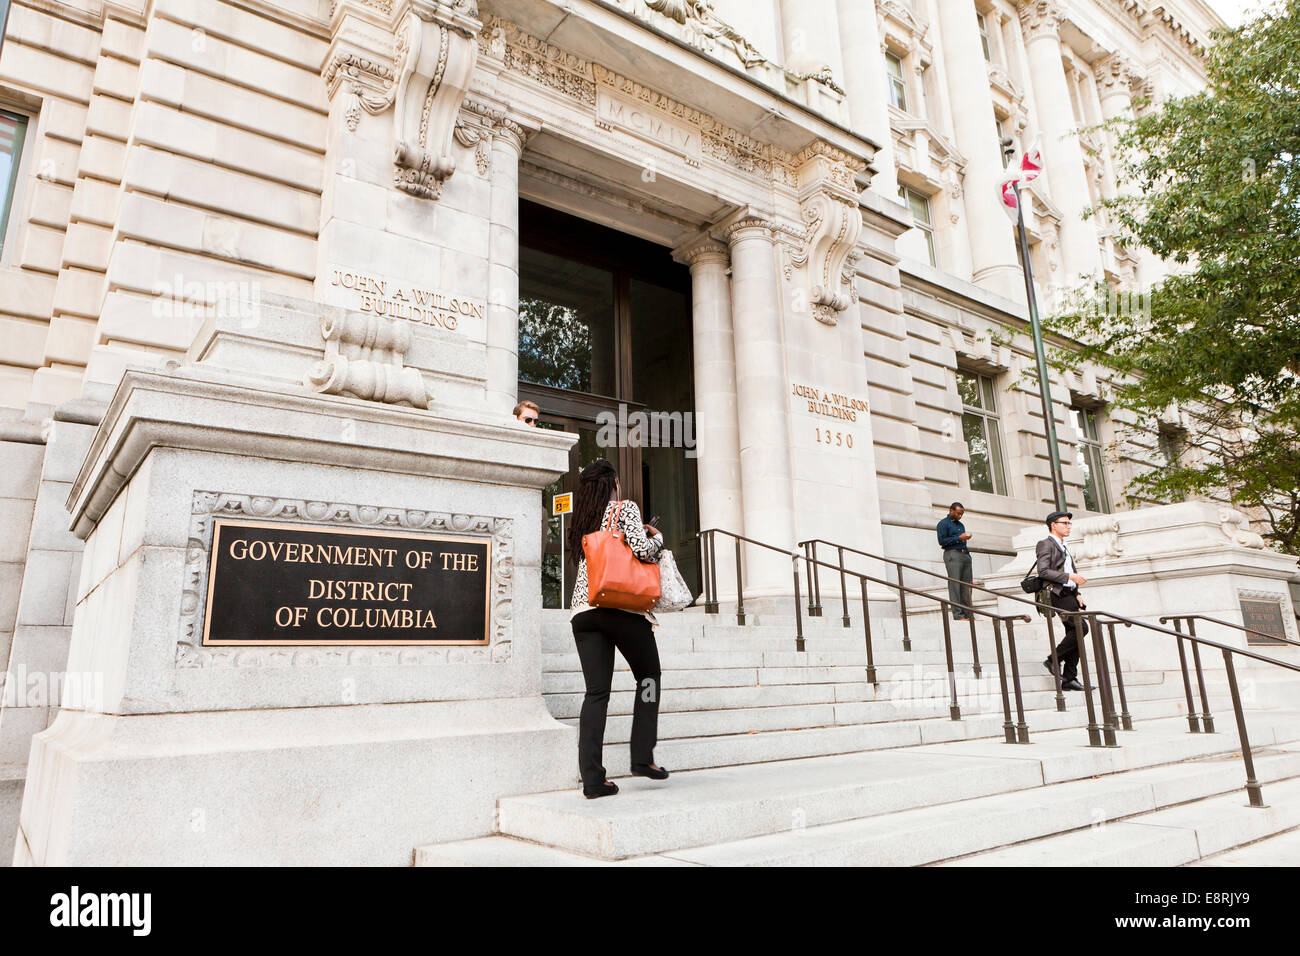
(605, 351)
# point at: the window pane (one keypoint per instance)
(1082, 459)
(972, 427)
(995, 456)
(990, 402)
(920, 207)
(929, 242)
(968, 388)
(566, 323)
(894, 64)
(13, 129)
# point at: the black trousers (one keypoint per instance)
(597, 633)
(1067, 652)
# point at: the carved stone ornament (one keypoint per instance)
(207, 506)
(828, 204)
(1100, 536)
(437, 48)
(369, 83)
(1040, 18)
(364, 356)
(1236, 528)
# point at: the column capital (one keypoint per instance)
(1116, 75)
(749, 227)
(702, 250)
(1040, 18)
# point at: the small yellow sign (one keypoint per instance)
(562, 504)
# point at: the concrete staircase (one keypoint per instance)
(785, 757)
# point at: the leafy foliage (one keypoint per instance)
(1214, 186)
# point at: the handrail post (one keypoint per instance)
(1109, 722)
(844, 594)
(1252, 784)
(902, 609)
(1207, 721)
(954, 709)
(1126, 719)
(814, 580)
(866, 627)
(798, 611)
(1022, 728)
(740, 593)
(1094, 729)
(1051, 655)
(1192, 721)
(708, 550)
(1008, 728)
(974, 645)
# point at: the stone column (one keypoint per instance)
(761, 408)
(809, 29)
(503, 269)
(993, 253)
(1115, 77)
(1066, 179)
(865, 91)
(716, 435)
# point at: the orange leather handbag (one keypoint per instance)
(616, 577)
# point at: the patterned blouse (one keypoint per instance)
(643, 546)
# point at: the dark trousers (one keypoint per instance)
(1067, 652)
(957, 564)
(597, 632)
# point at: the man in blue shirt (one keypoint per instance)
(956, 559)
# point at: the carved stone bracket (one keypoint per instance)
(828, 201)
(364, 356)
(437, 47)
(207, 506)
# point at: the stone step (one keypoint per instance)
(1176, 836)
(1032, 676)
(893, 688)
(677, 731)
(1282, 849)
(915, 806)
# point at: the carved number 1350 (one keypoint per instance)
(829, 437)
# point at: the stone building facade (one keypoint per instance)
(779, 217)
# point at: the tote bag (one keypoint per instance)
(617, 578)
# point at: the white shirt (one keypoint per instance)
(1069, 565)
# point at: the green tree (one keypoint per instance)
(1216, 189)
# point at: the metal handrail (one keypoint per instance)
(1111, 720)
(1015, 732)
(1272, 638)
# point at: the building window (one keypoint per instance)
(13, 130)
(984, 36)
(1171, 443)
(979, 425)
(919, 206)
(897, 88)
(1088, 456)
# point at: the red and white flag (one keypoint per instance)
(1030, 165)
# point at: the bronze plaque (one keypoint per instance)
(1265, 616)
(305, 584)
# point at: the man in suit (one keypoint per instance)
(1056, 567)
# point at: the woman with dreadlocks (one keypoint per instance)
(597, 631)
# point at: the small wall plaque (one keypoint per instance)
(1265, 616)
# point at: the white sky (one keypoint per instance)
(1234, 11)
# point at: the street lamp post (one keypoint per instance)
(1040, 355)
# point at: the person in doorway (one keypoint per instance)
(1056, 566)
(956, 560)
(527, 412)
(598, 631)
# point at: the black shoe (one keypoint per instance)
(1072, 684)
(606, 789)
(645, 770)
(1047, 666)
